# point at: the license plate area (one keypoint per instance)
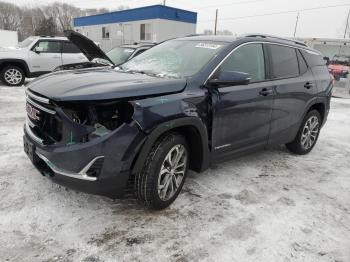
(29, 149)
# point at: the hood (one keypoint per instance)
(86, 46)
(102, 84)
(9, 48)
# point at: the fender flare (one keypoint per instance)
(316, 100)
(18, 61)
(170, 125)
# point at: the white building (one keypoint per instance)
(328, 46)
(8, 38)
(146, 24)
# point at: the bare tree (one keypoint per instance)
(28, 21)
(211, 32)
(208, 32)
(64, 15)
(10, 16)
(47, 26)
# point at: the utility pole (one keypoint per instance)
(347, 24)
(164, 2)
(296, 24)
(216, 21)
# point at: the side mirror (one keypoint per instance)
(230, 78)
(38, 49)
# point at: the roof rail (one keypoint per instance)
(276, 37)
(47, 36)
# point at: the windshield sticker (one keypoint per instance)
(208, 46)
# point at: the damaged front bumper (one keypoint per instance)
(101, 166)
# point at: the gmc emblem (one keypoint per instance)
(32, 112)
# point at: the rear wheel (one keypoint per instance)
(12, 75)
(164, 173)
(307, 135)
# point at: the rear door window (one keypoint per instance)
(284, 61)
(247, 59)
(70, 48)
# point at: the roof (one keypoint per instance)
(136, 14)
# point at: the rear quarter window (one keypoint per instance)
(302, 63)
(313, 58)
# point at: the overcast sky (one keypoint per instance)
(326, 22)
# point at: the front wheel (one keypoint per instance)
(12, 76)
(164, 173)
(307, 135)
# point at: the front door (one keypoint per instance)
(45, 56)
(242, 113)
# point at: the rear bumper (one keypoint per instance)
(101, 166)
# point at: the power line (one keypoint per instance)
(347, 24)
(276, 13)
(234, 3)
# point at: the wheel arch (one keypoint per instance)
(320, 107)
(17, 62)
(196, 135)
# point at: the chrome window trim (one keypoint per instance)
(249, 43)
(40, 107)
(37, 98)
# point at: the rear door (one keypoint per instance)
(294, 86)
(242, 113)
(48, 58)
(71, 54)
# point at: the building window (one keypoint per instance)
(145, 32)
(105, 33)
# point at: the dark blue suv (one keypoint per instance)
(184, 104)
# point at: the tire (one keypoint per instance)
(305, 140)
(12, 75)
(153, 184)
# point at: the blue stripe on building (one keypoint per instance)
(136, 14)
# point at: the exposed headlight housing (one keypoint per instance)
(100, 118)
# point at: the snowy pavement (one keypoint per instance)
(269, 206)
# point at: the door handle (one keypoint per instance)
(308, 85)
(266, 92)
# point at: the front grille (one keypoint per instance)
(42, 119)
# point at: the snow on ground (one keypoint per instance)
(268, 206)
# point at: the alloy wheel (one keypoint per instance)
(310, 132)
(172, 172)
(13, 76)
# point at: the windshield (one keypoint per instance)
(342, 60)
(26, 42)
(120, 54)
(175, 58)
